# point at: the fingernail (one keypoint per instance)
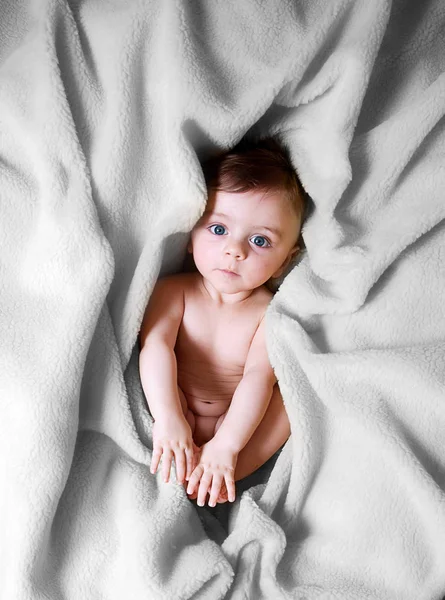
(200, 503)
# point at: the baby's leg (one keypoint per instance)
(204, 429)
(219, 421)
(187, 412)
(192, 422)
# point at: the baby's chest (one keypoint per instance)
(209, 337)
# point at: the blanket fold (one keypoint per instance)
(106, 110)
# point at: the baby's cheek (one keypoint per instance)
(265, 263)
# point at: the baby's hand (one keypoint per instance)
(216, 466)
(172, 438)
(222, 498)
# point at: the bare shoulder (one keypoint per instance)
(262, 299)
(188, 283)
(177, 283)
(175, 290)
(258, 358)
(174, 282)
(263, 296)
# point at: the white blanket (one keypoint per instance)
(106, 109)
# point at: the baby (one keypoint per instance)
(204, 365)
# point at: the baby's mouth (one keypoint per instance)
(228, 272)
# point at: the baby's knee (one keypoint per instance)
(185, 409)
(219, 421)
(191, 420)
(183, 401)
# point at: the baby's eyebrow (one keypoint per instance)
(277, 232)
(209, 212)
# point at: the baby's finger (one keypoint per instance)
(166, 465)
(194, 479)
(180, 465)
(223, 497)
(230, 485)
(190, 463)
(216, 487)
(204, 486)
(155, 458)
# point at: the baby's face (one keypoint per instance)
(242, 240)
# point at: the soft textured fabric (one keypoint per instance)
(106, 109)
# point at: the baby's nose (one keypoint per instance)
(236, 249)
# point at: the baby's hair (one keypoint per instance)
(262, 165)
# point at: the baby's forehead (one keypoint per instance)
(240, 207)
(272, 199)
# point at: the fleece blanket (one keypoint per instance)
(106, 110)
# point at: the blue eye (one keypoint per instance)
(260, 241)
(217, 229)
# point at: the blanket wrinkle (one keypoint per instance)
(106, 110)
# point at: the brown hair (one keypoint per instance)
(264, 165)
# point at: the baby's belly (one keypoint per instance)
(206, 408)
(208, 393)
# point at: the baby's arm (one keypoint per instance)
(172, 436)
(249, 404)
(251, 397)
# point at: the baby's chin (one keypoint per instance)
(234, 284)
(232, 291)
